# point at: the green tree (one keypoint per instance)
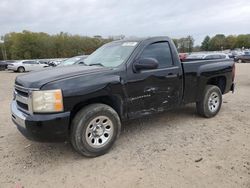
(197, 48)
(230, 42)
(217, 42)
(175, 42)
(1, 51)
(243, 41)
(185, 44)
(31, 45)
(205, 43)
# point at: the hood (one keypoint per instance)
(38, 78)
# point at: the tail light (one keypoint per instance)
(233, 72)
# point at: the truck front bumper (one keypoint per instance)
(41, 127)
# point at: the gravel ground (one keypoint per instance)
(172, 149)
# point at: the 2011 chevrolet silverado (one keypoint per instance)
(121, 80)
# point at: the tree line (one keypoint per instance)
(185, 44)
(33, 45)
(222, 42)
(40, 45)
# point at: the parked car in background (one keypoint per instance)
(73, 60)
(10, 61)
(26, 65)
(245, 58)
(44, 62)
(236, 53)
(183, 56)
(230, 54)
(54, 63)
(3, 65)
(206, 56)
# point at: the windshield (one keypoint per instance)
(69, 61)
(111, 54)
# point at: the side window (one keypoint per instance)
(33, 62)
(26, 62)
(209, 57)
(160, 51)
(30, 62)
(217, 57)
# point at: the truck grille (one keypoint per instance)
(22, 98)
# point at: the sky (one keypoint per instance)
(140, 18)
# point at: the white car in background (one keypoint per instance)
(26, 65)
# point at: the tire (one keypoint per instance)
(210, 103)
(94, 130)
(20, 69)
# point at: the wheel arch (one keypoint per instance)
(114, 102)
(219, 81)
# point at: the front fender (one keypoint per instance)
(80, 89)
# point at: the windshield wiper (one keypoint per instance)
(96, 64)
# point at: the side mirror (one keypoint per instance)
(145, 64)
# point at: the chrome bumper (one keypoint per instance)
(41, 127)
(17, 116)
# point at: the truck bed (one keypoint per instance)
(198, 73)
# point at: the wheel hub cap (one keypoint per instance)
(99, 131)
(213, 102)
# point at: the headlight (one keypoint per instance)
(47, 101)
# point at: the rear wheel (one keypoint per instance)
(210, 103)
(95, 129)
(20, 69)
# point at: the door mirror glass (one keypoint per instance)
(145, 64)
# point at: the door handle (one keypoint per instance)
(151, 89)
(171, 75)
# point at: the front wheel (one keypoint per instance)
(94, 130)
(210, 103)
(20, 69)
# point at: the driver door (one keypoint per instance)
(151, 91)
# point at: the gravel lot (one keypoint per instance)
(173, 149)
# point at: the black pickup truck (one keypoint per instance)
(121, 80)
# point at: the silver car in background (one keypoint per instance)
(26, 65)
(206, 56)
